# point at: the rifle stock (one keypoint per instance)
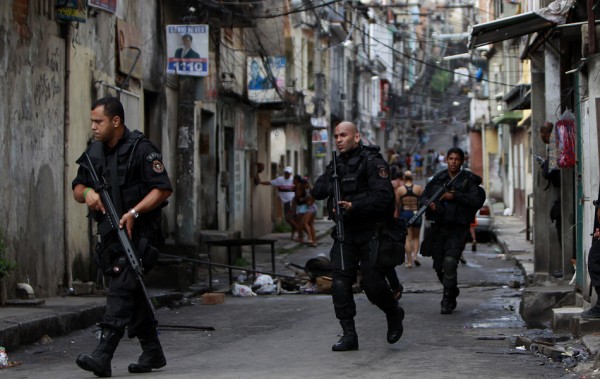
(436, 195)
(337, 197)
(113, 218)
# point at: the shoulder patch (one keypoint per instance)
(383, 171)
(158, 167)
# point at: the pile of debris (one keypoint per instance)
(313, 277)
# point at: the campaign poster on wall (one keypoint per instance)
(265, 78)
(187, 50)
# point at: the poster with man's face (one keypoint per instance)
(265, 77)
(187, 47)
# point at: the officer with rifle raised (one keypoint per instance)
(361, 201)
(450, 201)
(123, 182)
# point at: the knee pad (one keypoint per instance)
(340, 289)
(450, 265)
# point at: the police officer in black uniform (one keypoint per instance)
(367, 203)
(139, 187)
(450, 217)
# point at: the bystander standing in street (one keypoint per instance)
(418, 159)
(407, 199)
(367, 205)
(286, 191)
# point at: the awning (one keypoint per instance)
(519, 97)
(507, 28)
(508, 117)
(526, 120)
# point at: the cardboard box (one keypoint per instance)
(210, 298)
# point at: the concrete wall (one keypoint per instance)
(51, 69)
(264, 199)
(32, 67)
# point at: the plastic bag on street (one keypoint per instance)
(264, 285)
(3, 357)
(241, 290)
(263, 280)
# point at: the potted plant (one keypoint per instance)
(6, 266)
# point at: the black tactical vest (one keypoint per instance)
(130, 187)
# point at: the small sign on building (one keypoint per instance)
(187, 49)
(71, 10)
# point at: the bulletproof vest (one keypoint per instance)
(130, 189)
(452, 211)
(353, 178)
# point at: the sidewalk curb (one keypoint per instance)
(62, 320)
(20, 332)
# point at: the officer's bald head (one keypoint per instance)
(346, 136)
(349, 126)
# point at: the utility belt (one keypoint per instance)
(387, 245)
(111, 259)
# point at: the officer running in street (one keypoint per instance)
(139, 187)
(450, 217)
(367, 202)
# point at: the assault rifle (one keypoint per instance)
(338, 217)
(437, 194)
(113, 218)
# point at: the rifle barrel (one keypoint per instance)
(337, 197)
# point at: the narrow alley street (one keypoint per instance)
(290, 335)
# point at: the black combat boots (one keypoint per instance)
(394, 321)
(152, 354)
(98, 361)
(593, 312)
(449, 300)
(349, 340)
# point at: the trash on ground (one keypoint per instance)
(4, 362)
(3, 357)
(241, 290)
(264, 285)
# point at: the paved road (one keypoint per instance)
(290, 336)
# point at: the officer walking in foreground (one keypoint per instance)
(366, 204)
(450, 216)
(139, 186)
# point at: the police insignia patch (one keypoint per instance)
(383, 172)
(158, 167)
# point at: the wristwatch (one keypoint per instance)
(134, 213)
